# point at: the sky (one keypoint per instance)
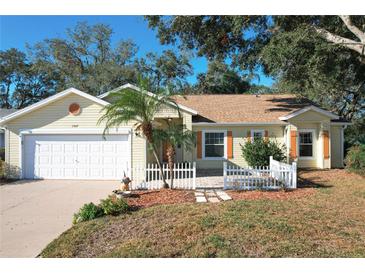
(16, 31)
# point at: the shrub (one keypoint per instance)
(258, 152)
(2, 153)
(355, 159)
(2, 169)
(88, 212)
(113, 205)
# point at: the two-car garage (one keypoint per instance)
(75, 156)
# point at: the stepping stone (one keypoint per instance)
(224, 196)
(199, 194)
(213, 199)
(210, 194)
(201, 199)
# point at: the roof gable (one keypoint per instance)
(49, 100)
(299, 112)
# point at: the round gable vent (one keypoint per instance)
(74, 109)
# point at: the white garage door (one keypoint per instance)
(76, 156)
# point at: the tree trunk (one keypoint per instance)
(170, 160)
(154, 151)
(147, 131)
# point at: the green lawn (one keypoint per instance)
(328, 223)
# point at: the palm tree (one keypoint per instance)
(174, 135)
(141, 106)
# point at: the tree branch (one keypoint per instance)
(339, 40)
(355, 30)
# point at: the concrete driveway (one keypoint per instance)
(33, 213)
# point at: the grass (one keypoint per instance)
(328, 223)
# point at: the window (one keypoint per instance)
(306, 144)
(214, 144)
(257, 134)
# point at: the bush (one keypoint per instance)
(2, 154)
(113, 205)
(2, 169)
(258, 152)
(355, 159)
(88, 212)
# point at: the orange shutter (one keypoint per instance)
(326, 145)
(229, 145)
(293, 144)
(249, 136)
(199, 145)
(266, 135)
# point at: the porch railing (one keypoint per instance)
(149, 177)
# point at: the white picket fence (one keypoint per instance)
(149, 177)
(275, 176)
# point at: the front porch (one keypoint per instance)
(209, 178)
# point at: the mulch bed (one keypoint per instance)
(148, 198)
(270, 194)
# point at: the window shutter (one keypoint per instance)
(293, 144)
(229, 145)
(266, 135)
(199, 145)
(326, 145)
(249, 136)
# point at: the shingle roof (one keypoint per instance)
(242, 108)
(5, 111)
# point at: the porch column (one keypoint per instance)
(324, 146)
(187, 121)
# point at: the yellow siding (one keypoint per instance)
(312, 163)
(336, 147)
(167, 112)
(239, 134)
(309, 116)
(55, 115)
(312, 120)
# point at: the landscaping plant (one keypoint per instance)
(355, 159)
(174, 135)
(114, 205)
(258, 152)
(140, 106)
(87, 212)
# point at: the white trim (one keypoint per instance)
(20, 148)
(133, 87)
(50, 100)
(313, 157)
(342, 145)
(71, 131)
(224, 149)
(340, 123)
(125, 86)
(74, 131)
(239, 124)
(262, 131)
(303, 110)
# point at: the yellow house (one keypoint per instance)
(59, 137)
